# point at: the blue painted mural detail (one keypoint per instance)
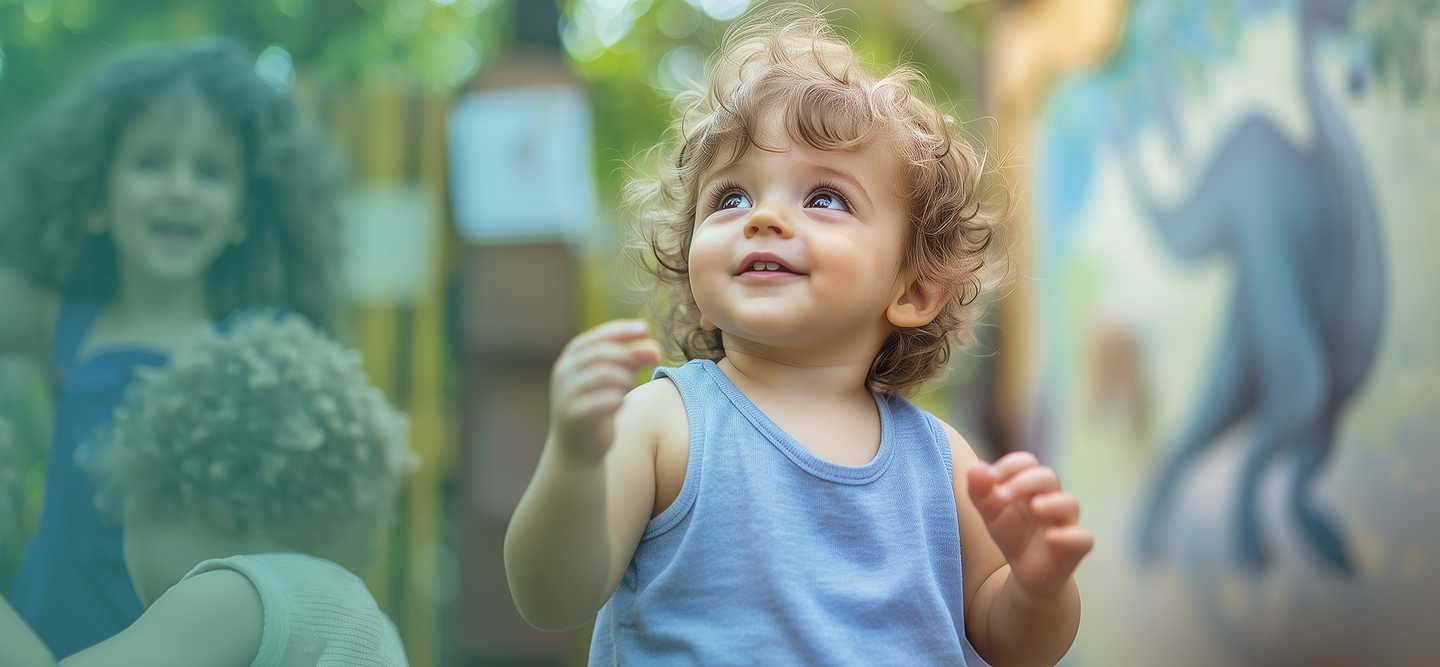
(1299, 225)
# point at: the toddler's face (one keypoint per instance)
(800, 246)
(176, 190)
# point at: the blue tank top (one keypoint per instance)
(72, 586)
(771, 555)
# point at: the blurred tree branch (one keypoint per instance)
(938, 34)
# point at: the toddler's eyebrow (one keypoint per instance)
(845, 179)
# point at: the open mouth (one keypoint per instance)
(176, 232)
(764, 265)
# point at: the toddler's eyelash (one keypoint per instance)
(833, 189)
(718, 194)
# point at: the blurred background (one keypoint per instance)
(1220, 325)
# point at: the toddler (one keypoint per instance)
(776, 500)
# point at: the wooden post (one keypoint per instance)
(1032, 46)
(520, 299)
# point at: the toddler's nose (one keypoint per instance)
(765, 220)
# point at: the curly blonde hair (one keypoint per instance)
(791, 59)
(269, 420)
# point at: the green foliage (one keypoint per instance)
(635, 54)
(24, 434)
(1404, 45)
(45, 44)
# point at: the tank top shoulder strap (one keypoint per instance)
(942, 442)
(694, 387)
(923, 427)
(688, 378)
(76, 318)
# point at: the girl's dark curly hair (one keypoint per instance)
(54, 178)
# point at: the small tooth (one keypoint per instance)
(759, 266)
(772, 266)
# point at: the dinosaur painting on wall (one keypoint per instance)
(1235, 361)
(1299, 224)
(1293, 218)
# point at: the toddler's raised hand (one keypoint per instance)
(1031, 520)
(592, 376)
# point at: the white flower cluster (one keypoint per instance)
(270, 420)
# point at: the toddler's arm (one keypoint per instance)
(211, 619)
(577, 525)
(1021, 543)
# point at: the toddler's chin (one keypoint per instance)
(777, 330)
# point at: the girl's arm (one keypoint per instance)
(1013, 517)
(213, 618)
(580, 519)
(28, 321)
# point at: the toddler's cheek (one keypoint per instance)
(708, 275)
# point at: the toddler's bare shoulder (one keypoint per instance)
(655, 411)
(654, 408)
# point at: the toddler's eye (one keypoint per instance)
(827, 199)
(731, 199)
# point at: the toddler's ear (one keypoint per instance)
(915, 304)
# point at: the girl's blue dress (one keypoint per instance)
(72, 586)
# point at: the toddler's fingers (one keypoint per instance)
(614, 330)
(1011, 464)
(1069, 544)
(644, 353)
(601, 377)
(980, 484)
(979, 480)
(1060, 509)
(1028, 483)
(598, 403)
(630, 356)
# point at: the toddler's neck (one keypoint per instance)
(833, 377)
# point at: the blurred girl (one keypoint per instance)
(164, 191)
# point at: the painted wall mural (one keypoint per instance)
(1234, 224)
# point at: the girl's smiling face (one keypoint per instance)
(800, 246)
(175, 190)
